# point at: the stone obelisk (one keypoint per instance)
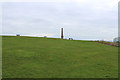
(62, 33)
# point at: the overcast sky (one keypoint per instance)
(81, 19)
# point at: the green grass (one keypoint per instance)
(0, 57)
(32, 57)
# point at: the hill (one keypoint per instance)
(33, 57)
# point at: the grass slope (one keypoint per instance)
(0, 57)
(31, 57)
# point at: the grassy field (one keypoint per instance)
(32, 57)
(0, 57)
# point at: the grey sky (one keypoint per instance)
(81, 19)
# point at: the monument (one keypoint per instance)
(62, 33)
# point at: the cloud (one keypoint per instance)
(42, 35)
(81, 19)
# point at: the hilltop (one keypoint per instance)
(35, 57)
